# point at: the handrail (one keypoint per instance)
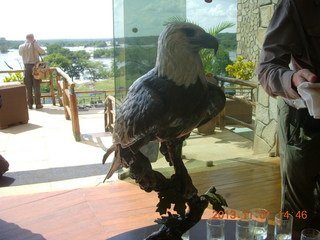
(250, 85)
(240, 82)
(65, 76)
(68, 98)
(11, 71)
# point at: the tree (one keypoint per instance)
(3, 42)
(4, 49)
(58, 60)
(101, 44)
(79, 62)
(222, 60)
(210, 61)
(3, 45)
(96, 70)
(139, 60)
(72, 62)
(54, 48)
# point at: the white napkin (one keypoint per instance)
(310, 93)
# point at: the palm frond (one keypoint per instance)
(177, 19)
(220, 27)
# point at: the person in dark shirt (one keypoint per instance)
(291, 56)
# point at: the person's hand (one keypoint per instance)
(303, 75)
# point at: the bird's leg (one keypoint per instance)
(181, 176)
(165, 153)
(148, 179)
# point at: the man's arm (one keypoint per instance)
(281, 42)
(38, 48)
(21, 49)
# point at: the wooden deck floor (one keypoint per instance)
(105, 211)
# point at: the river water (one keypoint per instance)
(14, 60)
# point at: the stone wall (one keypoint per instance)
(253, 20)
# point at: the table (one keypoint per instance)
(13, 104)
(196, 233)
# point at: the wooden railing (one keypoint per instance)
(244, 85)
(68, 99)
(66, 96)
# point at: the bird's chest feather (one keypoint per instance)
(185, 108)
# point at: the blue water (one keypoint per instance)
(13, 59)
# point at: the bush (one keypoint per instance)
(14, 77)
(240, 69)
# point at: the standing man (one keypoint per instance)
(30, 52)
(293, 37)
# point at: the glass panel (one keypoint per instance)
(219, 17)
(137, 25)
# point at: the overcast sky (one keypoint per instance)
(49, 19)
(208, 15)
(52, 19)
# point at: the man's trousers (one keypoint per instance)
(299, 136)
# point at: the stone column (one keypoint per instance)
(253, 19)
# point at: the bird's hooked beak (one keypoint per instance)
(209, 41)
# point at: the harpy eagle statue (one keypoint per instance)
(165, 105)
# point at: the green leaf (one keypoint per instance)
(215, 199)
(220, 27)
(177, 19)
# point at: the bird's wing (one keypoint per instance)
(217, 101)
(140, 112)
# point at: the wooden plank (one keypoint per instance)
(248, 102)
(75, 117)
(67, 108)
(11, 71)
(238, 81)
(102, 212)
(95, 91)
(53, 97)
(59, 84)
(65, 76)
(63, 97)
(240, 122)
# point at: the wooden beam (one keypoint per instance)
(75, 117)
(11, 71)
(59, 90)
(53, 97)
(240, 122)
(66, 77)
(238, 81)
(248, 102)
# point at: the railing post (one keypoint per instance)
(53, 97)
(64, 98)
(60, 96)
(74, 114)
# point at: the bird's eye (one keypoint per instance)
(189, 32)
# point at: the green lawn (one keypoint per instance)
(107, 85)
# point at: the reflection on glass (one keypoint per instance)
(138, 23)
